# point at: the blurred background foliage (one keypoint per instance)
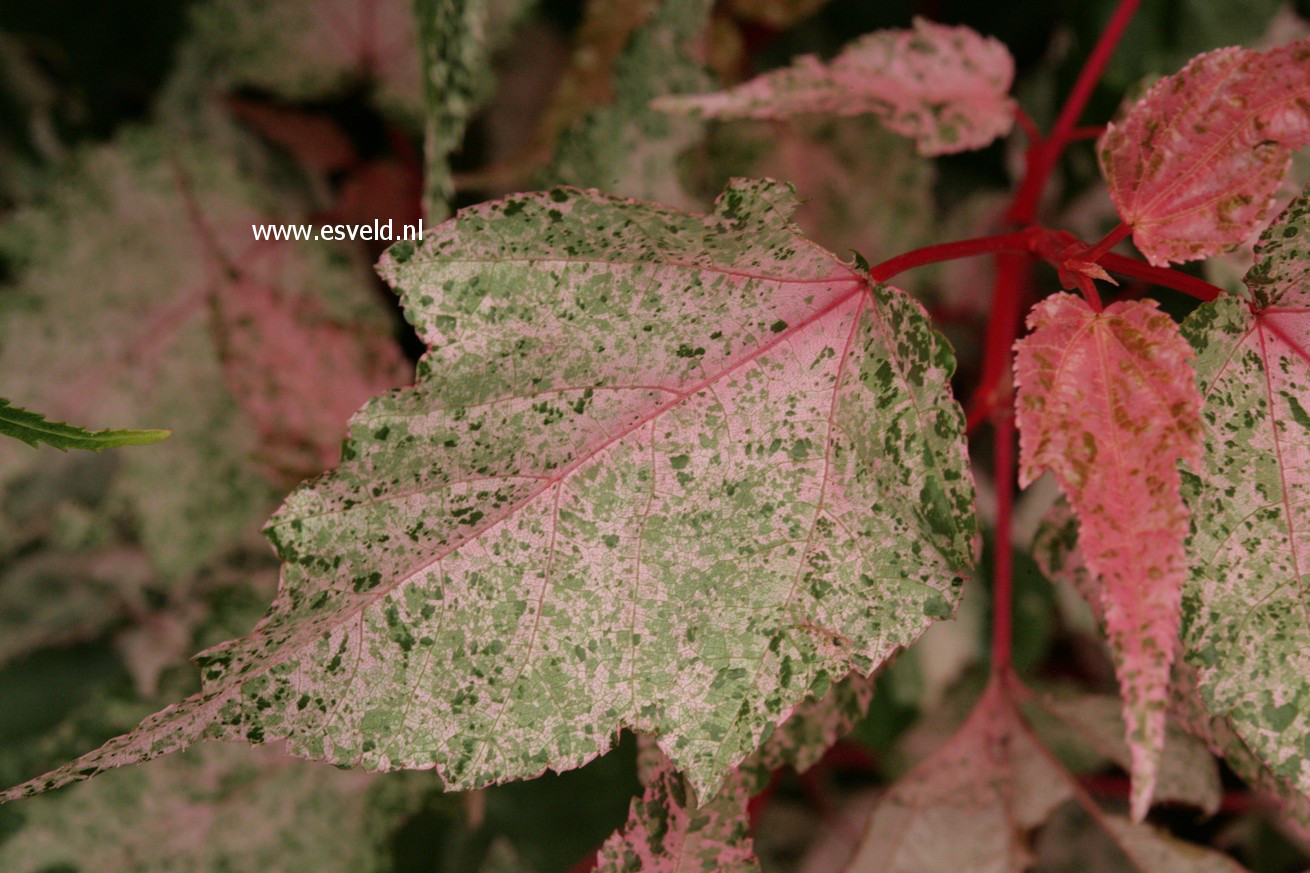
(303, 111)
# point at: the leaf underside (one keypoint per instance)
(1246, 625)
(1101, 406)
(945, 87)
(33, 429)
(1194, 165)
(660, 471)
(973, 803)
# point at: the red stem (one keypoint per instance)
(1043, 156)
(1002, 573)
(1091, 72)
(1019, 241)
(1029, 126)
(1162, 276)
(1107, 242)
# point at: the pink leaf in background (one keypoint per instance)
(298, 373)
(1102, 406)
(1194, 165)
(945, 87)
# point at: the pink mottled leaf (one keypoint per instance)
(1101, 405)
(660, 471)
(670, 830)
(1194, 165)
(945, 87)
(127, 274)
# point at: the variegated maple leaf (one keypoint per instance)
(1246, 623)
(1101, 405)
(661, 471)
(1194, 165)
(945, 87)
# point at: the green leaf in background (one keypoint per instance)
(33, 429)
(457, 38)
(623, 146)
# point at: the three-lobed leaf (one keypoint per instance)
(661, 471)
(945, 87)
(1193, 166)
(35, 429)
(1246, 628)
(1101, 406)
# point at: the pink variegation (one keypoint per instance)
(1101, 406)
(944, 87)
(668, 831)
(1194, 166)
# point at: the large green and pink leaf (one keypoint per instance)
(1194, 165)
(1101, 406)
(661, 471)
(945, 87)
(1246, 627)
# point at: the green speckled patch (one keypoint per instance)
(1246, 607)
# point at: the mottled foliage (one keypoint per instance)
(1101, 406)
(661, 471)
(622, 145)
(306, 50)
(1194, 164)
(1246, 627)
(669, 832)
(213, 809)
(670, 829)
(457, 38)
(970, 805)
(945, 87)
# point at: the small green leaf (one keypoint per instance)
(34, 429)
